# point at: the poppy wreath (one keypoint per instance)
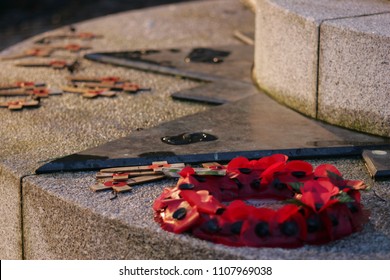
(319, 205)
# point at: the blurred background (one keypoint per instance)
(20, 19)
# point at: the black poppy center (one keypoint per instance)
(289, 228)
(262, 229)
(235, 228)
(245, 170)
(199, 178)
(186, 186)
(313, 224)
(352, 207)
(179, 214)
(255, 184)
(334, 220)
(238, 183)
(298, 174)
(279, 185)
(211, 226)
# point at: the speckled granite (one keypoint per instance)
(289, 37)
(64, 219)
(10, 218)
(354, 80)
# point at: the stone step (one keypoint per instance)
(327, 59)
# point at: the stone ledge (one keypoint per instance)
(295, 57)
(63, 219)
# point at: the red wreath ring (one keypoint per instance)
(321, 205)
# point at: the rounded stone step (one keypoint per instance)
(327, 59)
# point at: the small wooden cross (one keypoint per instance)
(55, 64)
(46, 51)
(113, 83)
(22, 84)
(89, 93)
(72, 35)
(19, 104)
(38, 92)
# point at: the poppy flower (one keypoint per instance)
(167, 196)
(109, 79)
(291, 227)
(40, 92)
(318, 194)
(239, 165)
(338, 221)
(268, 175)
(230, 223)
(266, 162)
(23, 84)
(221, 187)
(316, 231)
(296, 171)
(259, 227)
(205, 203)
(334, 175)
(179, 216)
(186, 171)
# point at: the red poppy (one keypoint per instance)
(179, 216)
(110, 79)
(58, 63)
(317, 232)
(73, 47)
(268, 175)
(334, 175)
(215, 185)
(257, 230)
(226, 228)
(266, 162)
(186, 171)
(167, 196)
(237, 164)
(86, 35)
(40, 92)
(337, 220)
(318, 194)
(205, 203)
(298, 171)
(291, 227)
(24, 84)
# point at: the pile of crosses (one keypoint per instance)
(33, 92)
(121, 179)
(45, 49)
(88, 87)
(104, 86)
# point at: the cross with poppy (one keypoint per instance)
(22, 84)
(73, 35)
(55, 64)
(34, 92)
(89, 93)
(46, 51)
(110, 82)
(19, 104)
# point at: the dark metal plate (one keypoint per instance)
(227, 80)
(255, 126)
(378, 163)
(235, 66)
